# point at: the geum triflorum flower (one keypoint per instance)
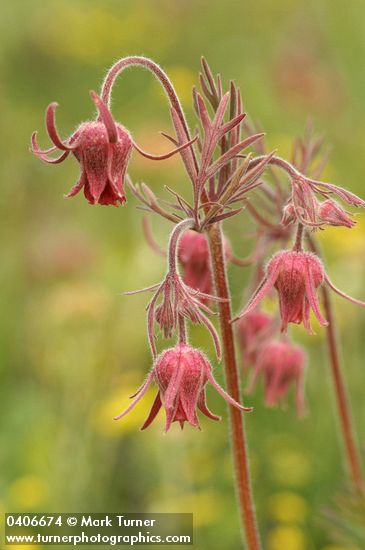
(305, 208)
(280, 364)
(181, 374)
(102, 147)
(174, 301)
(177, 301)
(296, 275)
(253, 330)
(193, 254)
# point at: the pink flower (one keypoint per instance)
(181, 374)
(194, 257)
(280, 364)
(103, 149)
(331, 213)
(296, 275)
(306, 209)
(253, 330)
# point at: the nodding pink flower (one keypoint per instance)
(194, 257)
(280, 364)
(289, 215)
(296, 275)
(174, 301)
(253, 330)
(102, 147)
(331, 213)
(181, 374)
(306, 209)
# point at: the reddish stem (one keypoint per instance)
(238, 437)
(299, 238)
(237, 431)
(342, 402)
(161, 76)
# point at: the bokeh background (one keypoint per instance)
(73, 348)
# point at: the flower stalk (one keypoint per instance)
(348, 432)
(237, 423)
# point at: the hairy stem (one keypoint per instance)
(299, 238)
(238, 436)
(176, 233)
(237, 431)
(161, 76)
(342, 402)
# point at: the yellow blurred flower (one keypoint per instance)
(97, 33)
(28, 492)
(183, 80)
(78, 300)
(288, 507)
(286, 538)
(290, 468)
(116, 403)
(206, 506)
(335, 547)
(344, 242)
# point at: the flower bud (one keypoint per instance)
(280, 364)
(181, 374)
(331, 213)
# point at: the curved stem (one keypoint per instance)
(238, 436)
(176, 233)
(237, 432)
(155, 69)
(342, 402)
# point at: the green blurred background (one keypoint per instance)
(73, 348)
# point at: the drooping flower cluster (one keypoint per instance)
(305, 208)
(181, 374)
(296, 275)
(253, 330)
(102, 147)
(178, 300)
(280, 364)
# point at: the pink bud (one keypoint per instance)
(289, 215)
(195, 260)
(331, 213)
(298, 275)
(252, 330)
(181, 374)
(280, 364)
(103, 164)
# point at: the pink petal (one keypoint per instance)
(139, 396)
(76, 188)
(202, 406)
(43, 155)
(164, 155)
(312, 295)
(52, 130)
(265, 286)
(153, 412)
(106, 117)
(340, 293)
(225, 395)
